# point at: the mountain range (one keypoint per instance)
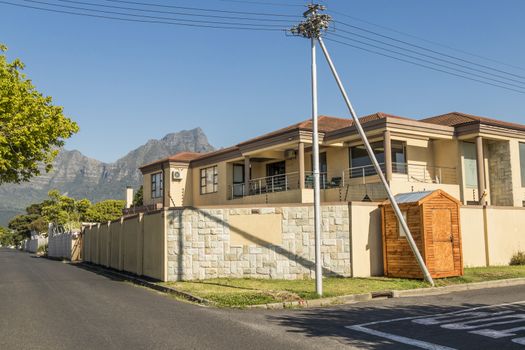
(79, 176)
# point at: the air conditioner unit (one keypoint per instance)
(289, 154)
(176, 174)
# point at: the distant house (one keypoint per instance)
(477, 160)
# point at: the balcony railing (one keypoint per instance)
(353, 176)
(268, 184)
(425, 173)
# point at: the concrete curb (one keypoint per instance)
(322, 302)
(145, 283)
(356, 298)
(458, 288)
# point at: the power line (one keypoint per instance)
(263, 3)
(429, 50)
(204, 9)
(426, 55)
(425, 66)
(157, 17)
(430, 62)
(137, 20)
(176, 13)
(427, 40)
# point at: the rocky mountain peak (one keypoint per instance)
(84, 177)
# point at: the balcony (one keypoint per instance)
(410, 172)
(402, 173)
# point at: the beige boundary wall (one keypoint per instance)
(135, 244)
(493, 234)
(256, 242)
(277, 241)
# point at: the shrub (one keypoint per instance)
(42, 249)
(518, 259)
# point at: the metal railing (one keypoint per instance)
(290, 181)
(326, 180)
(268, 184)
(426, 173)
(364, 171)
(413, 172)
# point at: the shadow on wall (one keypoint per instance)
(375, 243)
(260, 242)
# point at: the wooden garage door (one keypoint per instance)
(443, 240)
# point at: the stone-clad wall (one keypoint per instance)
(500, 173)
(202, 243)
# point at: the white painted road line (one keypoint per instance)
(400, 339)
(465, 319)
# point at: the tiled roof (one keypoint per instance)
(329, 125)
(377, 116)
(182, 157)
(185, 156)
(458, 119)
(324, 123)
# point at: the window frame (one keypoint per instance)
(204, 180)
(157, 178)
(521, 150)
(395, 145)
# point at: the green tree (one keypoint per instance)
(9, 237)
(62, 210)
(104, 211)
(32, 129)
(138, 198)
(21, 224)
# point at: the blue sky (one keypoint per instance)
(125, 83)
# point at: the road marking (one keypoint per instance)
(434, 320)
(496, 334)
(520, 341)
(468, 324)
(400, 339)
(460, 315)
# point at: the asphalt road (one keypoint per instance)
(46, 304)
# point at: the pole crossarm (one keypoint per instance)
(315, 23)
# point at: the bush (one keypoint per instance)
(42, 249)
(518, 259)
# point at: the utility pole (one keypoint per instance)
(312, 27)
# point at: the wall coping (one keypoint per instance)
(274, 205)
(496, 207)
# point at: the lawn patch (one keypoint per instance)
(242, 292)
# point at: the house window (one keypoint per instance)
(470, 165)
(399, 159)
(209, 180)
(401, 230)
(157, 185)
(361, 164)
(522, 163)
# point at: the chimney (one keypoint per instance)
(129, 197)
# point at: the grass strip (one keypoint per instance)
(242, 292)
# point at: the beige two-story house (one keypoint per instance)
(477, 160)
